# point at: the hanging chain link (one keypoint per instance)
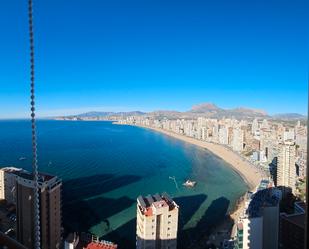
(37, 236)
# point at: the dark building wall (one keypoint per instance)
(24, 214)
(50, 216)
(54, 210)
(291, 235)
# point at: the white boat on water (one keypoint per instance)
(189, 184)
(22, 159)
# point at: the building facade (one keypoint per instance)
(258, 227)
(286, 169)
(292, 228)
(157, 222)
(50, 210)
(8, 176)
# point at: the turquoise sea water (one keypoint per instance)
(104, 168)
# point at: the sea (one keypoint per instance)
(105, 167)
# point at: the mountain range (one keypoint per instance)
(209, 110)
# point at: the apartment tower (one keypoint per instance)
(157, 222)
(50, 210)
(286, 169)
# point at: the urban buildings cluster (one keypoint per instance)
(262, 225)
(278, 148)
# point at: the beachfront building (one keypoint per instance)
(8, 176)
(50, 210)
(157, 222)
(286, 169)
(258, 227)
(223, 135)
(238, 139)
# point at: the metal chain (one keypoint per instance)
(37, 236)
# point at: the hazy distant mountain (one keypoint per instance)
(289, 116)
(205, 107)
(165, 114)
(209, 110)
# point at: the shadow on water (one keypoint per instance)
(125, 235)
(83, 214)
(80, 213)
(213, 216)
(89, 186)
(188, 205)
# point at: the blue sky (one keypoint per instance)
(148, 55)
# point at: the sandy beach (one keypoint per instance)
(251, 175)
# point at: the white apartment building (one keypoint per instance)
(157, 222)
(8, 176)
(286, 169)
(237, 139)
(255, 126)
(259, 226)
(223, 135)
(265, 125)
(289, 135)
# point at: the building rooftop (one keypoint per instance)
(262, 198)
(152, 202)
(44, 180)
(12, 169)
(101, 245)
(297, 219)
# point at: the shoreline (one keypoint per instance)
(250, 175)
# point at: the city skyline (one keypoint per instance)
(111, 110)
(156, 55)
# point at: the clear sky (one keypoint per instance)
(120, 55)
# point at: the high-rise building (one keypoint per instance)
(255, 126)
(289, 135)
(286, 169)
(8, 176)
(223, 135)
(157, 222)
(50, 210)
(238, 140)
(292, 228)
(258, 227)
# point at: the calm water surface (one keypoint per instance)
(104, 168)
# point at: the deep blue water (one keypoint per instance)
(104, 168)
